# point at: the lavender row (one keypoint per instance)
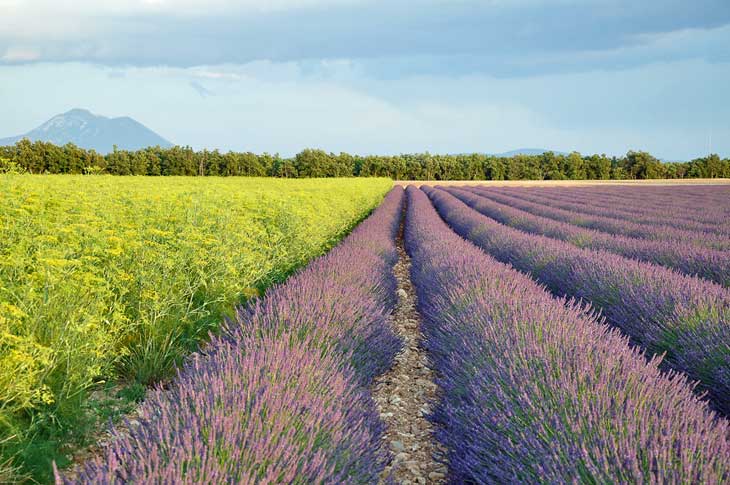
(281, 395)
(677, 195)
(536, 389)
(659, 308)
(632, 220)
(704, 203)
(705, 263)
(711, 219)
(610, 224)
(638, 212)
(680, 196)
(673, 193)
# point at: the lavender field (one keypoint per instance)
(404, 242)
(466, 334)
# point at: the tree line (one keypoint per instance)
(43, 157)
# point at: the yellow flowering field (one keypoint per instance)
(108, 278)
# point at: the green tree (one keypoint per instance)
(73, 159)
(641, 165)
(27, 156)
(494, 168)
(284, 168)
(710, 166)
(312, 163)
(551, 166)
(598, 167)
(267, 162)
(119, 162)
(574, 168)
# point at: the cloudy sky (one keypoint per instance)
(379, 76)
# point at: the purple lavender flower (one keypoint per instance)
(663, 311)
(538, 389)
(707, 263)
(610, 223)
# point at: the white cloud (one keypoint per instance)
(665, 108)
(81, 20)
(93, 8)
(20, 54)
(647, 47)
(401, 37)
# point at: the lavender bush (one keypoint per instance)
(612, 225)
(685, 196)
(703, 262)
(659, 308)
(704, 210)
(537, 389)
(703, 213)
(280, 397)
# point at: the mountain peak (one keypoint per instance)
(80, 113)
(87, 130)
(528, 151)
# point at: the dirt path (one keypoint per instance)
(404, 394)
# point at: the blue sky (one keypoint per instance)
(377, 76)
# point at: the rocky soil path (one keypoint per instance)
(405, 393)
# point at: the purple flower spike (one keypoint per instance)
(537, 389)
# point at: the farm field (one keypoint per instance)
(106, 283)
(537, 389)
(565, 183)
(364, 242)
(558, 334)
(659, 308)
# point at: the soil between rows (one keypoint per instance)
(407, 391)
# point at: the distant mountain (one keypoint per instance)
(528, 151)
(88, 130)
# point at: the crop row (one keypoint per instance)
(706, 263)
(536, 389)
(699, 217)
(658, 198)
(281, 396)
(610, 224)
(660, 309)
(703, 213)
(677, 196)
(684, 196)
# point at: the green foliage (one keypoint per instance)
(10, 167)
(284, 168)
(40, 157)
(135, 392)
(597, 167)
(93, 170)
(318, 163)
(709, 167)
(641, 165)
(115, 279)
